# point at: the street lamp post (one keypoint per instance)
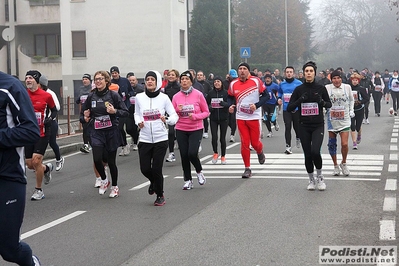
(286, 33)
(229, 34)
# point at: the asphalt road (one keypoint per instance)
(269, 219)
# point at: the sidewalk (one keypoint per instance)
(68, 144)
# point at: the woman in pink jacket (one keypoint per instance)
(191, 106)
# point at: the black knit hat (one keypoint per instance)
(187, 73)
(35, 74)
(151, 74)
(335, 73)
(86, 76)
(268, 76)
(245, 65)
(311, 64)
(114, 68)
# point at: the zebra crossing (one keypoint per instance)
(363, 167)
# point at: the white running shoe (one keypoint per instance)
(199, 148)
(345, 169)
(36, 260)
(298, 143)
(320, 183)
(270, 134)
(59, 164)
(201, 178)
(114, 192)
(171, 157)
(276, 126)
(205, 135)
(37, 195)
(288, 150)
(188, 185)
(98, 182)
(311, 185)
(135, 148)
(232, 139)
(336, 171)
(104, 186)
(127, 150)
(367, 121)
(47, 176)
(122, 153)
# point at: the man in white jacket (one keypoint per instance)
(149, 115)
(339, 120)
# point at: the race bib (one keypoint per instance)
(101, 122)
(309, 109)
(187, 110)
(83, 98)
(378, 88)
(132, 100)
(337, 113)
(287, 97)
(215, 102)
(244, 108)
(38, 118)
(151, 115)
(354, 93)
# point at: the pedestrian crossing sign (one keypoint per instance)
(245, 52)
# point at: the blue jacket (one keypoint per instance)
(287, 88)
(272, 89)
(18, 128)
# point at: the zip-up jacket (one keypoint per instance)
(272, 89)
(360, 97)
(286, 89)
(18, 128)
(217, 104)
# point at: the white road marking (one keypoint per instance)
(287, 177)
(391, 184)
(143, 185)
(387, 230)
(393, 157)
(395, 134)
(393, 148)
(51, 224)
(394, 140)
(392, 167)
(389, 204)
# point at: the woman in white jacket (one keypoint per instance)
(149, 116)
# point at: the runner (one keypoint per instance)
(339, 120)
(269, 109)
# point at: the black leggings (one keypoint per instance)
(311, 140)
(356, 122)
(189, 142)
(233, 122)
(214, 132)
(11, 216)
(395, 100)
(290, 119)
(132, 129)
(53, 140)
(268, 110)
(171, 138)
(377, 101)
(98, 154)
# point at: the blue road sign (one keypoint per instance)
(245, 52)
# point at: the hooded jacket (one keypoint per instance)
(217, 104)
(149, 109)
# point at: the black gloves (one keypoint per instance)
(320, 100)
(303, 97)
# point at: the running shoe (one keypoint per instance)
(276, 126)
(336, 171)
(47, 176)
(223, 160)
(104, 186)
(171, 157)
(215, 158)
(160, 201)
(201, 178)
(150, 190)
(188, 185)
(261, 158)
(232, 139)
(395, 114)
(345, 169)
(270, 134)
(37, 195)
(85, 148)
(97, 184)
(122, 153)
(134, 147)
(36, 260)
(127, 150)
(320, 183)
(59, 164)
(251, 148)
(364, 121)
(298, 143)
(354, 145)
(311, 185)
(367, 121)
(176, 145)
(288, 149)
(358, 139)
(247, 173)
(205, 135)
(114, 192)
(199, 148)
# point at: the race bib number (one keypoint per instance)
(101, 122)
(337, 113)
(132, 100)
(215, 102)
(151, 115)
(38, 118)
(244, 108)
(186, 110)
(83, 98)
(378, 88)
(287, 97)
(309, 109)
(355, 98)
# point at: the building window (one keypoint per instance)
(79, 44)
(47, 44)
(44, 2)
(182, 43)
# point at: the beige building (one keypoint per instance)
(64, 39)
